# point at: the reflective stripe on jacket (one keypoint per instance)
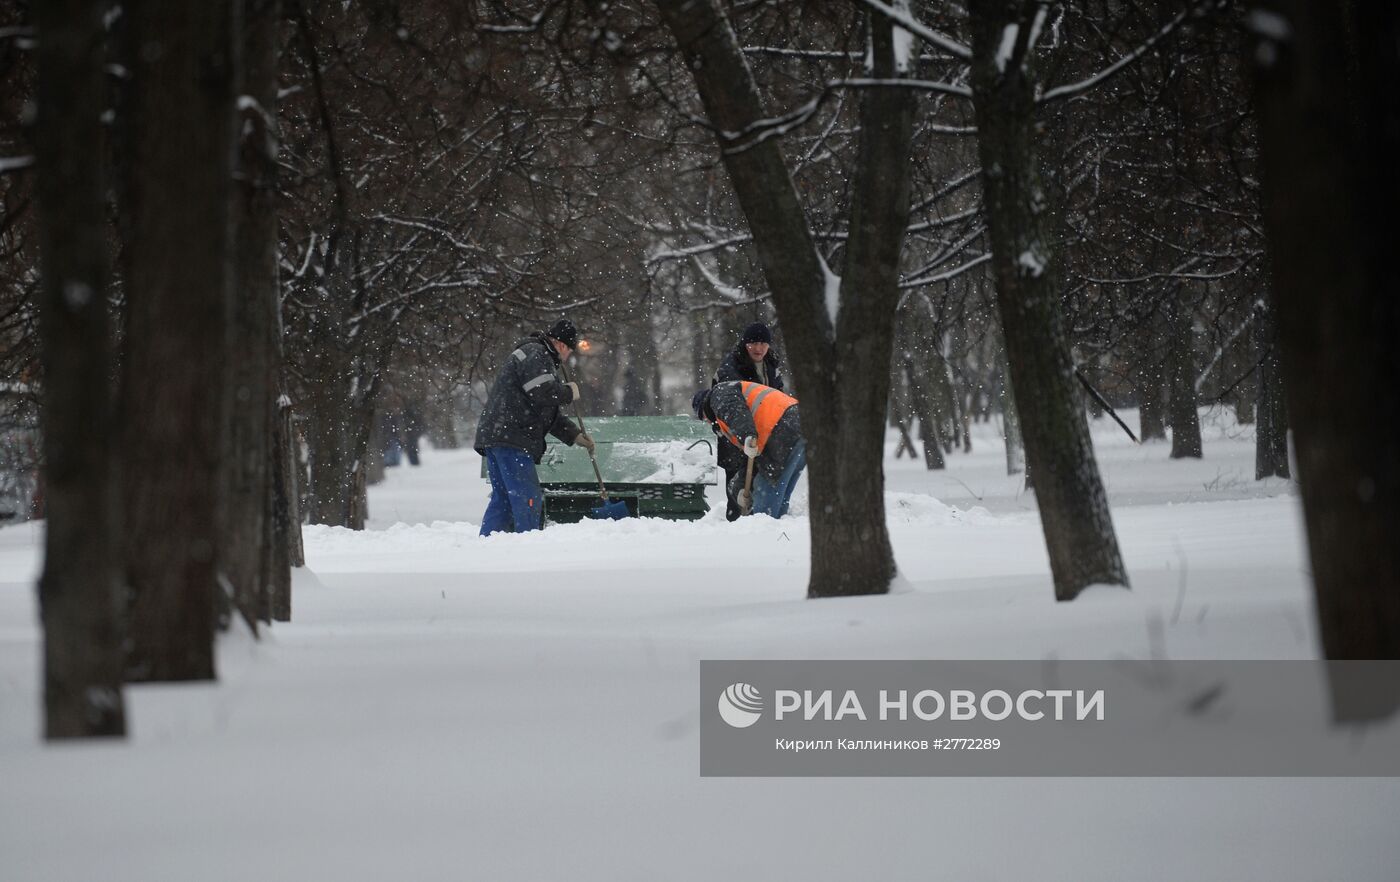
(742, 409)
(525, 402)
(767, 405)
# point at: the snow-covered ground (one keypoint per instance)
(525, 707)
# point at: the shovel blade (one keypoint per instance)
(614, 510)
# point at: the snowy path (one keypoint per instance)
(524, 707)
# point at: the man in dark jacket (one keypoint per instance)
(752, 359)
(762, 424)
(524, 406)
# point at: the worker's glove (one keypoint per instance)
(585, 442)
(573, 390)
(745, 501)
(751, 447)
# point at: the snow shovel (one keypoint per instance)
(746, 497)
(607, 510)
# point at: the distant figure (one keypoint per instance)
(389, 430)
(523, 408)
(412, 423)
(764, 425)
(752, 359)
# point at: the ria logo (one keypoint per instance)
(741, 705)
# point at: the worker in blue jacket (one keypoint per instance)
(524, 406)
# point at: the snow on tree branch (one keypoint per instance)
(1071, 89)
(899, 14)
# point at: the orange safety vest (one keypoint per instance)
(767, 405)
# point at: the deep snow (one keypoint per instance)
(525, 707)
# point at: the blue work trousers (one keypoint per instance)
(517, 503)
(771, 498)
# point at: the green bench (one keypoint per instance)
(657, 466)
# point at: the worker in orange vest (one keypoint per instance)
(754, 359)
(765, 424)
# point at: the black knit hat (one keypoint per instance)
(698, 401)
(756, 333)
(565, 332)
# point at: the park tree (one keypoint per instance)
(256, 565)
(835, 326)
(175, 356)
(1330, 120)
(79, 597)
(1069, 492)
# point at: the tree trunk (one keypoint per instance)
(79, 598)
(1238, 369)
(338, 437)
(1069, 492)
(442, 422)
(869, 292)
(1271, 424)
(1091, 405)
(286, 544)
(906, 443)
(925, 408)
(941, 390)
(634, 395)
(1152, 383)
(641, 392)
(376, 450)
(1184, 419)
(175, 366)
(918, 364)
(701, 371)
(827, 333)
(255, 322)
(1330, 133)
(900, 411)
(1011, 421)
(960, 393)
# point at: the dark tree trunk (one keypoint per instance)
(79, 598)
(906, 443)
(248, 504)
(914, 319)
(1152, 382)
(634, 394)
(960, 394)
(338, 437)
(1330, 132)
(1011, 421)
(1271, 424)
(864, 336)
(1184, 419)
(1152, 415)
(175, 381)
(379, 435)
(597, 379)
(287, 549)
(945, 400)
(826, 335)
(926, 410)
(641, 390)
(442, 431)
(1091, 405)
(1069, 492)
(702, 372)
(1238, 369)
(900, 411)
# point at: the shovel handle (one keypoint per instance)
(748, 485)
(578, 413)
